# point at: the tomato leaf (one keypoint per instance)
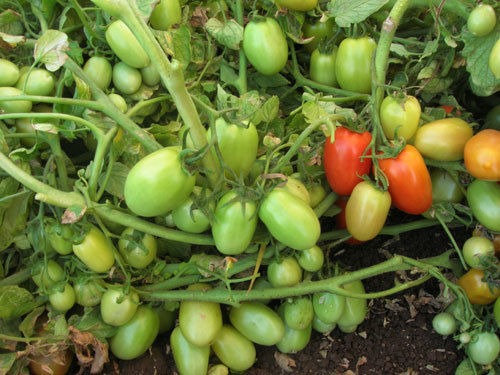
(51, 48)
(27, 326)
(14, 301)
(347, 12)
(268, 112)
(176, 43)
(116, 181)
(13, 212)
(146, 7)
(228, 34)
(6, 362)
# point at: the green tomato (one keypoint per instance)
(137, 248)
(294, 340)
(190, 219)
(165, 14)
(483, 348)
(444, 187)
(17, 106)
(258, 323)
(95, 251)
(189, 359)
(301, 5)
(38, 82)
(492, 120)
(99, 70)
(25, 126)
(353, 64)
(322, 67)
(126, 46)
(59, 236)
(311, 259)
(126, 79)
(496, 311)
(494, 60)
(233, 349)
(119, 102)
(289, 219)
(63, 300)
(118, 308)
(88, 294)
(9, 73)
(355, 308)
(320, 326)
(484, 201)
(328, 307)
(316, 194)
(317, 30)
(200, 322)
(47, 276)
(476, 247)
(298, 313)
(260, 284)
(234, 225)
(297, 188)
(167, 318)
(284, 273)
(401, 115)
(136, 336)
(265, 45)
(444, 324)
(157, 183)
(482, 20)
(150, 75)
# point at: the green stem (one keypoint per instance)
(241, 82)
(144, 103)
(51, 99)
(97, 165)
(325, 204)
(55, 146)
(454, 243)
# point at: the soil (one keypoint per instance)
(396, 338)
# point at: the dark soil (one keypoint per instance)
(396, 338)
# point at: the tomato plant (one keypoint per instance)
(328, 307)
(317, 30)
(482, 20)
(484, 200)
(95, 251)
(99, 69)
(285, 272)
(401, 116)
(137, 248)
(165, 14)
(322, 67)
(190, 219)
(444, 187)
(117, 308)
(124, 44)
(482, 155)
(478, 292)
(233, 349)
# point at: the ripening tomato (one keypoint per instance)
(478, 292)
(341, 203)
(342, 159)
(482, 155)
(124, 44)
(400, 115)
(55, 362)
(410, 184)
(476, 247)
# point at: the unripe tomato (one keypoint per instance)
(298, 313)
(302, 5)
(165, 14)
(189, 359)
(38, 82)
(476, 247)
(311, 259)
(328, 307)
(13, 106)
(340, 222)
(444, 324)
(95, 251)
(316, 194)
(444, 187)
(492, 120)
(126, 79)
(124, 44)
(137, 248)
(190, 219)
(484, 201)
(322, 67)
(233, 349)
(483, 348)
(63, 300)
(401, 115)
(482, 155)
(294, 340)
(120, 103)
(494, 60)
(88, 294)
(59, 236)
(286, 272)
(317, 30)
(99, 70)
(265, 45)
(49, 275)
(355, 308)
(150, 75)
(118, 308)
(478, 292)
(319, 326)
(9, 73)
(297, 188)
(482, 20)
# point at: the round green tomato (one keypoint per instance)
(320, 326)
(190, 219)
(138, 248)
(298, 313)
(482, 20)
(189, 359)
(492, 120)
(328, 307)
(265, 45)
(37, 82)
(157, 183)
(287, 272)
(444, 187)
(136, 336)
(297, 188)
(494, 60)
(484, 200)
(317, 30)
(233, 349)
(126, 46)
(353, 64)
(294, 340)
(444, 324)
(119, 102)
(355, 308)
(165, 14)
(476, 247)
(401, 115)
(301, 5)
(289, 219)
(118, 308)
(311, 259)
(126, 79)
(150, 75)
(483, 348)
(59, 236)
(258, 323)
(316, 194)
(88, 294)
(233, 228)
(17, 106)
(49, 275)
(63, 300)
(200, 322)
(322, 67)
(96, 251)
(99, 70)
(9, 73)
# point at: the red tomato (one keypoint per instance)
(340, 219)
(482, 155)
(410, 184)
(342, 160)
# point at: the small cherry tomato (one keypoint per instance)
(476, 247)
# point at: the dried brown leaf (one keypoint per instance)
(89, 350)
(284, 361)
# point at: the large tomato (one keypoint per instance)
(165, 14)
(410, 184)
(189, 359)
(482, 155)
(342, 159)
(233, 349)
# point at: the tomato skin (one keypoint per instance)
(316, 194)
(322, 67)
(99, 70)
(328, 307)
(150, 75)
(484, 200)
(233, 229)
(298, 313)
(366, 211)
(443, 139)
(444, 323)
(189, 359)
(157, 183)
(342, 163)
(317, 30)
(124, 44)
(165, 14)
(265, 45)
(482, 155)
(482, 20)
(312, 259)
(48, 276)
(410, 184)
(258, 323)
(340, 223)
(403, 115)
(135, 337)
(355, 308)
(63, 300)
(444, 188)
(14, 106)
(118, 308)
(120, 103)
(140, 254)
(476, 247)
(38, 82)
(88, 294)
(298, 189)
(496, 311)
(287, 272)
(9, 73)
(57, 362)
(289, 219)
(95, 251)
(233, 349)
(353, 64)
(319, 326)
(492, 120)
(494, 60)
(294, 340)
(167, 318)
(126, 79)
(200, 322)
(300, 5)
(478, 292)
(483, 348)
(191, 220)
(59, 236)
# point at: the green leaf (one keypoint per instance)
(27, 326)
(13, 215)
(268, 112)
(176, 43)
(9, 16)
(228, 34)
(291, 24)
(400, 49)
(347, 12)
(14, 301)
(6, 362)
(146, 7)
(92, 322)
(116, 182)
(51, 48)
(9, 328)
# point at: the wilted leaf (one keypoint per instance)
(285, 362)
(51, 48)
(6, 362)
(116, 182)
(73, 214)
(47, 127)
(89, 350)
(146, 7)
(176, 43)
(27, 326)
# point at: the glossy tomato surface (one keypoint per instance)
(482, 155)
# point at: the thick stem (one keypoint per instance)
(97, 165)
(55, 147)
(242, 74)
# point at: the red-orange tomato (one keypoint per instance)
(410, 184)
(478, 292)
(482, 155)
(340, 218)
